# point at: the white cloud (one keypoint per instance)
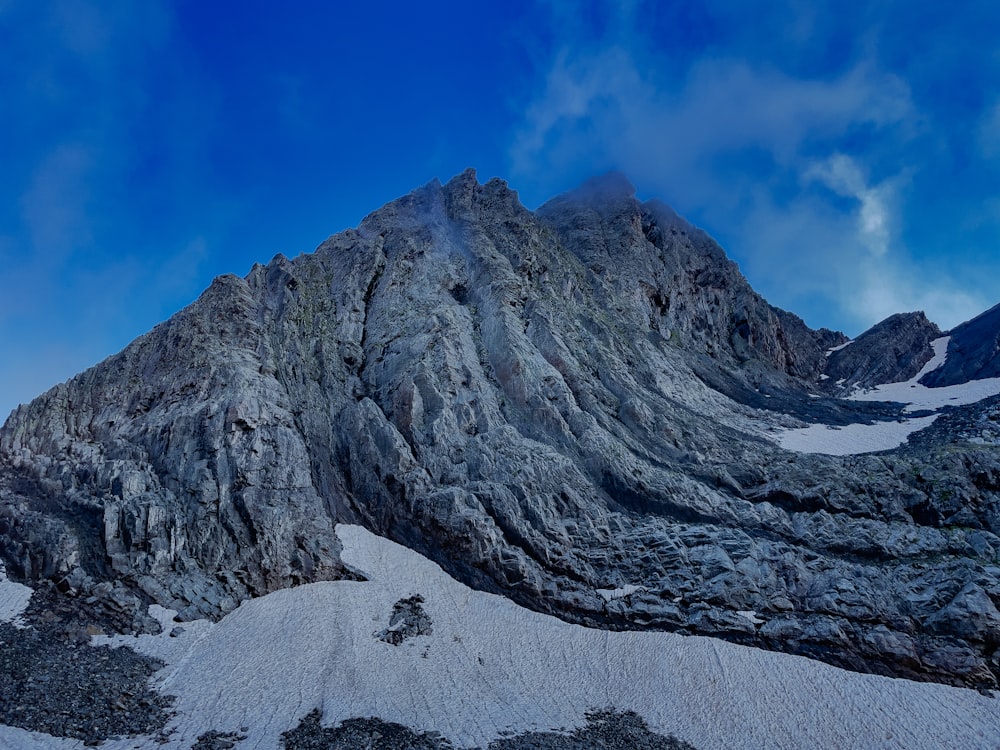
(884, 289)
(762, 158)
(844, 176)
(809, 253)
(604, 108)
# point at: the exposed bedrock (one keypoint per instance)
(890, 352)
(548, 404)
(973, 351)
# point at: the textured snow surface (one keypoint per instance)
(13, 598)
(920, 397)
(851, 439)
(862, 438)
(491, 666)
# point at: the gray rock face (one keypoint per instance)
(547, 404)
(890, 352)
(665, 275)
(973, 352)
(408, 620)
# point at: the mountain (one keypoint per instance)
(585, 409)
(895, 349)
(973, 351)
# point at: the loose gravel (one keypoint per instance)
(66, 688)
(604, 730)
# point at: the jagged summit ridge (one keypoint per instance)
(891, 351)
(546, 403)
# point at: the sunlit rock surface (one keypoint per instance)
(550, 405)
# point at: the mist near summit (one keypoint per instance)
(827, 164)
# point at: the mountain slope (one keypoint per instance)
(551, 405)
(890, 351)
(974, 351)
(484, 670)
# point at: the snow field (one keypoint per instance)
(852, 439)
(920, 397)
(861, 438)
(491, 667)
(13, 598)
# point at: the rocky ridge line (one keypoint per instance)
(548, 404)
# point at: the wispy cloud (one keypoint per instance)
(601, 107)
(789, 168)
(844, 176)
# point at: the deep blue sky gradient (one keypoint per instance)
(849, 161)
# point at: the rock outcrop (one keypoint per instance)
(890, 352)
(548, 404)
(973, 352)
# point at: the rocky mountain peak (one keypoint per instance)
(549, 404)
(603, 193)
(891, 351)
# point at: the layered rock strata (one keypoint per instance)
(553, 405)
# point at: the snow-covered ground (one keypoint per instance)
(848, 440)
(13, 598)
(861, 438)
(920, 397)
(490, 667)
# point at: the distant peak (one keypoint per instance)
(914, 319)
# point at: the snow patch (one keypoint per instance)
(833, 349)
(940, 348)
(852, 439)
(492, 667)
(921, 398)
(861, 438)
(13, 598)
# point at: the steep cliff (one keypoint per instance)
(553, 405)
(889, 352)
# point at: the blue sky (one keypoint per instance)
(848, 161)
